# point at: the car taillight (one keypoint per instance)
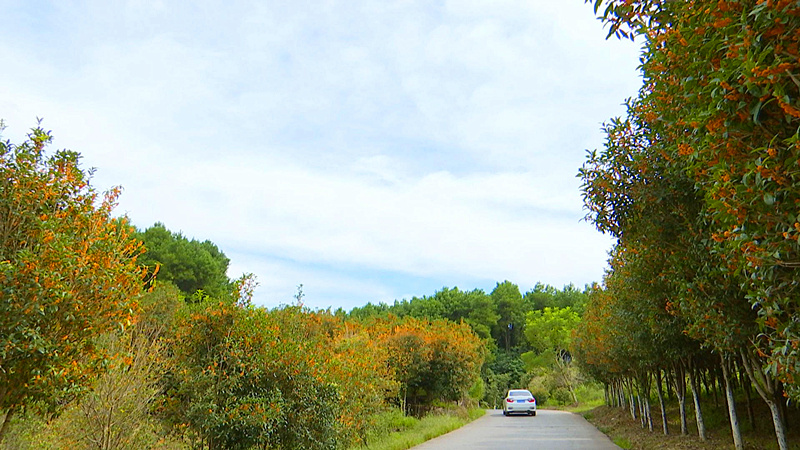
(510, 400)
(531, 400)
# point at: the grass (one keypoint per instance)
(581, 408)
(623, 442)
(400, 432)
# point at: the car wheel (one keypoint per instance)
(533, 413)
(505, 413)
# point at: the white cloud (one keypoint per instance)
(430, 140)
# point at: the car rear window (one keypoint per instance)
(520, 394)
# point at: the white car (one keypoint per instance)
(519, 401)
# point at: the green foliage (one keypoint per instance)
(545, 296)
(497, 384)
(508, 362)
(540, 388)
(474, 307)
(189, 264)
(509, 328)
(561, 396)
(551, 328)
(478, 390)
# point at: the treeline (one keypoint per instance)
(112, 337)
(700, 184)
(528, 336)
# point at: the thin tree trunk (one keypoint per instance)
(632, 400)
(563, 367)
(661, 405)
(737, 433)
(679, 385)
(698, 413)
(640, 407)
(765, 387)
(644, 387)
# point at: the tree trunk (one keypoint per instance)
(563, 368)
(765, 386)
(644, 389)
(632, 400)
(661, 405)
(698, 413)
(679, 385)
(6, 419)
(642, 412)
(737, 433)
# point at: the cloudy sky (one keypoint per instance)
(369, 150)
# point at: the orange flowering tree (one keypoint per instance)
(721, 104)
(722, 89)
(68, 272)
(430, 359)
(244, 377)
(239, 380)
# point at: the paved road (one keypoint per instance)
(552, 430)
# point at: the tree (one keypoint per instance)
(68, 272)
(549, 332)
(551, 328)
(431, 359)
(508, 331)
(189, 264)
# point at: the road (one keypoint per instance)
(552, 430)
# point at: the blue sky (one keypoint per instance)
(369, 150)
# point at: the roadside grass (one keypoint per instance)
(581, 408)
(628, 433)
(394, 431)
(623, 443)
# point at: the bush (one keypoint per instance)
(590, 392)
(562, 396)
(478, 390)
(539, 390)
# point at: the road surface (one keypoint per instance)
(552, 430)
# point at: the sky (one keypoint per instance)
(371, 151)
